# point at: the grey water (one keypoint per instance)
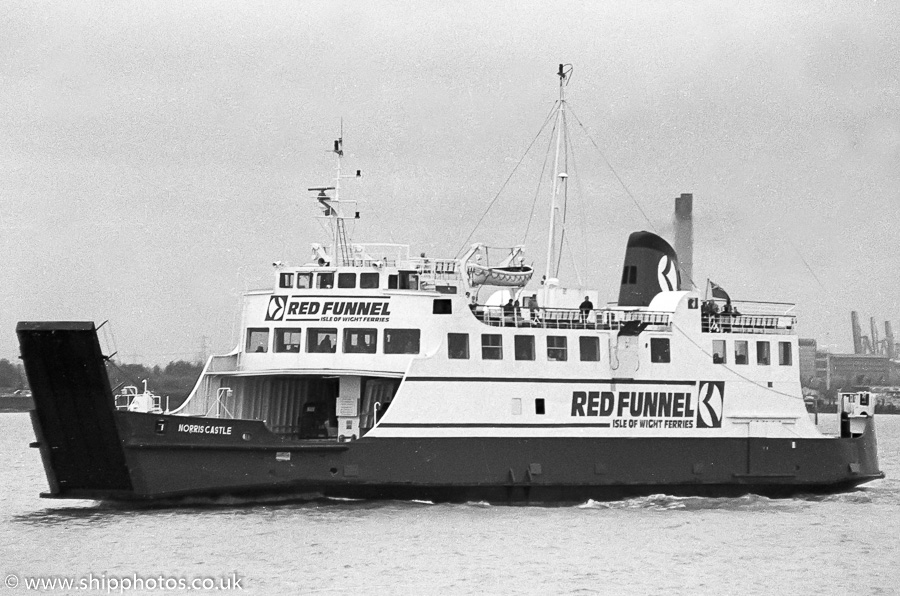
(838, 544)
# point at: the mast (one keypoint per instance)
(333, 210)
(552, 269)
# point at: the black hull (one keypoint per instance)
(538, 470)
(91, 451)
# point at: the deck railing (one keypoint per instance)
(729, 323)
(569, 318)
(750, 317)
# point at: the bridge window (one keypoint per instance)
(346, 280)
(369, 280)
(286, 280)
(393, 281)
(784, 353)
(360, 341)
(401, 341)
(524, 347)
(659, 350)
(589, 348)
(556, 348)
(287, 340)
(458, 346)
(304, 281)
(741, 352)
(719, 355)
(539, 406)
(763, 353)
(325, 281)
(491, 346)
(257, 340)
(321, 340)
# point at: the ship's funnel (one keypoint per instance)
(684, 238)
(651, 267)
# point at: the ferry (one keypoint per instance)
(367, 372)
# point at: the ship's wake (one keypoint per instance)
(751, 502)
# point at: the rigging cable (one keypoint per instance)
(731, 370)
(494, 200)
(614, 173)
(580, 193)
(537, 191)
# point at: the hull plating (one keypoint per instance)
(165, 463)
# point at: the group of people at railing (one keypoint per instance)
(729, 320)
(513, 314)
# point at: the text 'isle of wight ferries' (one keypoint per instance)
(654, 409)
(298, 308)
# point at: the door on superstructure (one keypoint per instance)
(318, 418)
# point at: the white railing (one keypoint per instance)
(570, 318)
(749, 317)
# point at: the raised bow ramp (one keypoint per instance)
(73, 418)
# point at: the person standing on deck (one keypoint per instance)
(533, 308)
(509, 311)
(586, 307)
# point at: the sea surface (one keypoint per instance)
(840, 544)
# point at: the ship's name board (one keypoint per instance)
(654, 409)
(284, 308)
(204, 429)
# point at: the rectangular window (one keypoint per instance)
(392, 281)
(287, 340)
(304, 281)
(286, 280)
(741, 352)
(763, 353)
(409, 280)
(442, 306)
(325, 281)
(629, 274)
(719, 356)
(257, 340)
(556, 348)
(491, 346)
(524, 347)
(784, 353)
(590, 349)
(516, 406)
(369, 281)
(659, 349)
(539, 406)
(360, 341)
(458, 346)
(401, 341)
(321, 340)
(346, 280)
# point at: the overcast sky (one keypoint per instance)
(154, 157)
